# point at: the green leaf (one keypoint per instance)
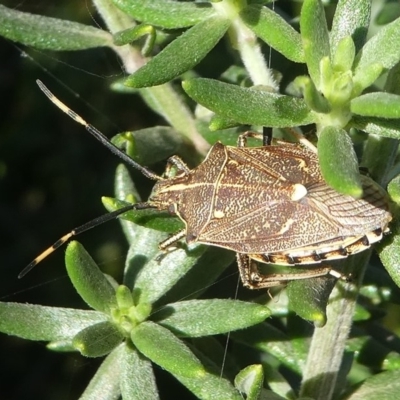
(165, 13)
(314, 33)
(166, 350)
(394, 189)
(274, 30)
(150, 145)
(192, 46)
(365, 79)
(137, 376)
(338, 161)
(379, 167)
(390, 10)
(377, 104)
(218, 315)
(351, 19)
(309, 297)
(217, 123)
(91, 284)
(35, 322)
(97, 340)
(343, 57)
(143, 247)
(269, 339)
(105, 384)
(389, 253)
(124, 188)
(131, 34)
(249, 106)
(314, 98)
(250, 381)
(383, 48)
(201, 276)
(382, 386)
(153, 219)
(160, 274)
(50, 33)
(377, 126)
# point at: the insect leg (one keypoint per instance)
(242, 139)
(253, 279)
(267, 136)
(177, 162)
(167, 243)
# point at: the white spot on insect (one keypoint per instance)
(286, 226)
(219, 214)
(299, 191)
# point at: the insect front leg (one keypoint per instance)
(253, 279)
(176, 162)
(168, 244)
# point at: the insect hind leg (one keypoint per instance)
(253, 279)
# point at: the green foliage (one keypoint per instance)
(157, 315)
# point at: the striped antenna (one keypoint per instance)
(103, 218)
(97, 134)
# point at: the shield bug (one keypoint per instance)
(269, 204)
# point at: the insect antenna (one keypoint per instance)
(103, 218)
(97, 134)
(80, 229)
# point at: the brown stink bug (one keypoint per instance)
(268, 204)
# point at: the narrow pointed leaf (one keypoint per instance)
(50, 33)
(165, 13)
(91, 284)
(137, 376)
(35, 322)
(377, 104)
(274, 30)
(351, 19)
(377, 126)
(338, 161)
(105, 384)
(169, 352)
(166, 350)
(153, 219)
(219, 316)
(383, 48)
(314, 33)
(97, 340)
(248, 105)
(192, 46)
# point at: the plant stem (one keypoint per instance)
(246, 43)
(162, 99)
(328, 343)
